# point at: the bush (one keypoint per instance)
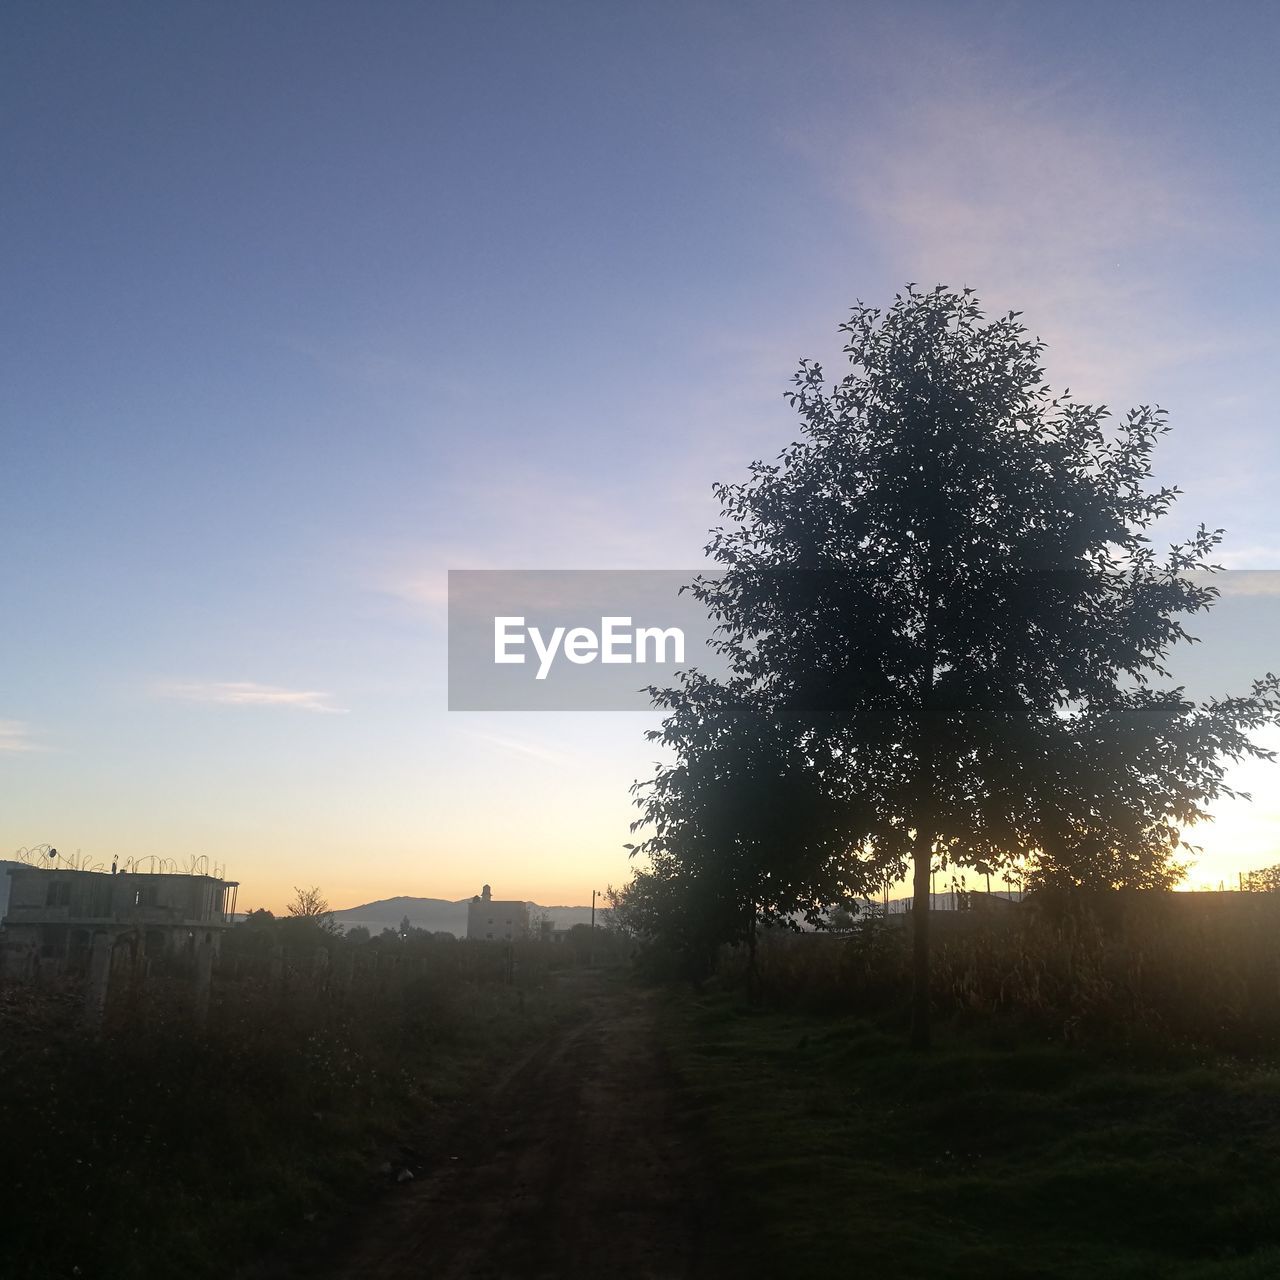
(1185, 968)
(163, 1146)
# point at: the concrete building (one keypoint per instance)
(491, 918)
(53, 915)
(7, 865)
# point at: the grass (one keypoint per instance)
(841, 1148)
(1164, 969)
(1100, 1103)
(157, 1148)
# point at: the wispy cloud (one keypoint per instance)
(525, 519)
(421, 579)
(1043, 203)
(521, 747)
(248, 693)
(15, 736)
(1255, 570)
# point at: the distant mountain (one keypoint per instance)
(439, 915)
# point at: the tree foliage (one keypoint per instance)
(947, 629)
(311, 907)
(741, 826)
(1263, 880)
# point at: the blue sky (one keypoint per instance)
(308, 303)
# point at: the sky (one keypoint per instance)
(306, 304)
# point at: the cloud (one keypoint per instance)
(248, 693)
(516, 746)
(1241, 581)
(1046, 204)
(528, 519)
(14, 736)
(421, 579)
(1250, 570)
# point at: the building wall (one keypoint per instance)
(497, 920)
(50, 896)
(53, 914)
(6, 866)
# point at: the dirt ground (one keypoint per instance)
(582, 1160)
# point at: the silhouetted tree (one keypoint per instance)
(309, 906)
(1263, 880)
(945, 594)
(741, 825)
(840, 919)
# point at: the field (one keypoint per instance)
(161, 1148)
(1103, 1099)
(842, 1150)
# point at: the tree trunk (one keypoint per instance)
(753, 968)
(926, 746)
(920, 943)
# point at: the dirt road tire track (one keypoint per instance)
(579, 1161)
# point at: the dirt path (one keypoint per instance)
(579, 1162)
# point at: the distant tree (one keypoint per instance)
(1264, 880)
(945, 594)
(617, 907)
(647, 905)
(255, 936)
(839, 919)
(357, 934)
(309, 906)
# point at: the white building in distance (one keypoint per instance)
(491, 919)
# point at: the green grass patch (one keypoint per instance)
(840, 1147)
